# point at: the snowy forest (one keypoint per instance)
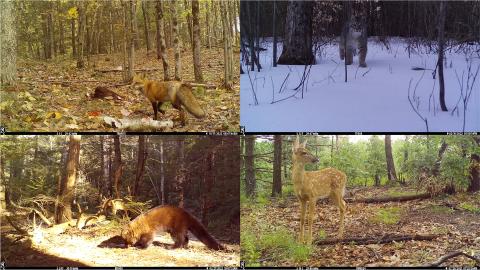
(84, 65)
(64, 199)
(358, 66)
(409, 200)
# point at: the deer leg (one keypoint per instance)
(303, 207)
(342, 207)
(311, 213)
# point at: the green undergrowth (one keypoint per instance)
(389, 215)
(260, 242)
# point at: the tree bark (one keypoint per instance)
(227, 47)
(8, 43)
(80, 35)
(391, 173)
(146, 22)
(474, 185)
(180, 173)
(66, 195)
(277, 166)
(250, 181)
(274, 58)
(197, 67)
(118, 166)
(161, 48)
(297, 45)
(438, 162)
(441, 44)
(176, 41)
(141, 158)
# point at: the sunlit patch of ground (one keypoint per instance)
(77, 249)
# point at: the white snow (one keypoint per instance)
(373, 101)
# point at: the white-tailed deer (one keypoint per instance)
(313, 185)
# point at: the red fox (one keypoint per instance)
(174, 220)
(176, 92)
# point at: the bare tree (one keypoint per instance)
(176, 41)
(161, 48)
(197, 67)
(63, 209)
(391, 173)
(8, 42)
(297, 45)
(277, 166)
(442, 13)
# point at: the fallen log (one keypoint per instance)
(120, 69)
(390, 199)
(378, 240)
(452, 255)
(138, 124)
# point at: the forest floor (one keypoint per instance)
(79, 248)
(56, 96)
(455, 219)
(375, 99)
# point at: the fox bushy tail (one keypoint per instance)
(184, 94)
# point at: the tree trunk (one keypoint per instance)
(134, 25)
(249, 165)
(65, 198)
(207, 25)
(180, 173)
(141, 158)
(161, 48)
(474, 173)
(438, 162)
(8, 43)
(176, 41)
(146, 23)
(197, 67)
(441, 44)
(112, 34)
(189, 21)
(132, 40)
(51, 33)
(227, 47)
(162, 173)
(297, 45)
(118, 166)
(277, 166)
(80, 35)
(61, 30)
(391, 173)
(274, 58)
(377, 180)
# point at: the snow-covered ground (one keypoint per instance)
(375, 99)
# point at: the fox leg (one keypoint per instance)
(178, 106)
(155, 109)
